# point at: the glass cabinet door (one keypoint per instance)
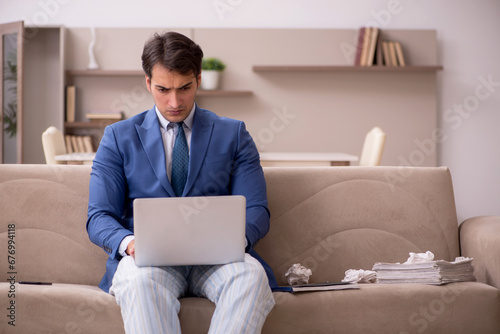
(11, 91)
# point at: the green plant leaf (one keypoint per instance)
(213, 64)
(10, 119)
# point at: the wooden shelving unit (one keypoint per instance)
(351, 95)
(328, 68)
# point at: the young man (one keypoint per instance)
(137, 158)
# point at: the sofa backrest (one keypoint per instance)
(328, 219)
(334, 219)
(48, 206)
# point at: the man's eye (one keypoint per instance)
(162, 90)
(186, 88)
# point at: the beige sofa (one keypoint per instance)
(329, 219)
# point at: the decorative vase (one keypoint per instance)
(210, 79)
(92, 61)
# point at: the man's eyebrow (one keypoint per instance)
(183, 86)
(186, 85)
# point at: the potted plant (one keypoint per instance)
(211, 69)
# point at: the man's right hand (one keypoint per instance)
(131, 249)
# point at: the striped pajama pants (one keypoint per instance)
(148, 296)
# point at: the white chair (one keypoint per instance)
(373, 147)
(53, 144)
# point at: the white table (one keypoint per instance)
(76, 158)
(297, 159)
(267, 159)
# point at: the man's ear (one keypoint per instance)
(198, 80)
(148, 83)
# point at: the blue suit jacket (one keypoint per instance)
(130, 163)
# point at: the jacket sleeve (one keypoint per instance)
(248, 180)
(107, 196)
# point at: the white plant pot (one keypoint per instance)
(210, 80)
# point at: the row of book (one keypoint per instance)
(372, 49)
(78, 144)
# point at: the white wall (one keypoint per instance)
(467, 38)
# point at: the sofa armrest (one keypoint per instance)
(480, 239)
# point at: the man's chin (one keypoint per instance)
(175, 117)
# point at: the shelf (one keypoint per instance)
(347, 68)
(105, 73)
(131, 73)
(225, 93)
(87, 125)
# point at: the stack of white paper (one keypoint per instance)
(429, 272)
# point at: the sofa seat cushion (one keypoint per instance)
(467, 307)
(78, 308)
(62, 308)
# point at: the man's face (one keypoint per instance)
(173, 93)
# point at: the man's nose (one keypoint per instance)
(175, 100)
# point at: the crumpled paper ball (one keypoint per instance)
(360, 276)
(420, 257)
(298, 274)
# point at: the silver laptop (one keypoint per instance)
(189, 230)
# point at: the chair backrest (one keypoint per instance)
(53, 144)
(373, 147)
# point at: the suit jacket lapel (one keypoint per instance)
(150, 135)
(200, 139)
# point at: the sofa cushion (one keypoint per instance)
(62, 308)
(78, 308)
(466, 308)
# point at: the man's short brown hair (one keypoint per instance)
(173, 51)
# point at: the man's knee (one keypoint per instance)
(253, 276)
(133, 277)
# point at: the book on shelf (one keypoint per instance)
(379, 59)
(87, 144)
(430, 272)
(372, 46)
(399, 54)
(69, 144)
(78, 144)
(70, 103)
(81, 146)
(385, 53)
(325, 286)
(104, 115)
(392, 54)
(366, 46)
(74, 144)
(359, 46)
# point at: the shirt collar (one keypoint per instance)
(187, 122)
